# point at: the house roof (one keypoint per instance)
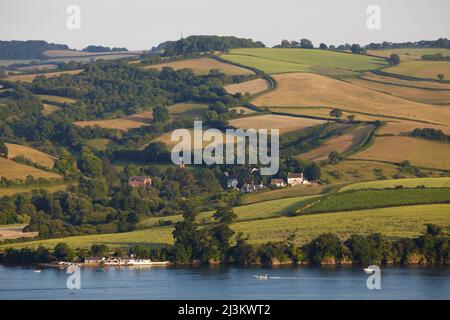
(295, 175)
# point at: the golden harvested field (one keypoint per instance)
(270, 121)
(312, 90)
(49, 109)
(408, 54)
(13, 170)
(203, 66)
(14, 232)
(402, 82)
(350, 171)
(415, 94)
(398, 127)
(34, 155)
(125, 123)
(193, 143)
(30, 77)
(421, 69)
(252, 87)
(323, 112)
(419, 152)
(43, 97)
(342, 144)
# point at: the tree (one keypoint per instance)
(89, 163)
(160, 114)
(3, 150)
(323, 46)
(99, 250)
(325, 246)
(312, 172)
(63, 252)
(433, 229)
(394, 59)
(356, 48)
(337, 113)
(351, 117)
(306, 44)
(440, 76)
(225, 215)
(335, 157)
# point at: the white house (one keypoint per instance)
(278, 182)
(251, 187)
(232, 183)
(295, 179)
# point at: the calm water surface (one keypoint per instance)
(226, 283)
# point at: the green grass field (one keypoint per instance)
(394, 223)
(422, 69)
(370, 199)
(326, 62)
(443, 182)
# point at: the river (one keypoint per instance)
(224, 282)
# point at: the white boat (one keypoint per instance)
(368, 270)
(262, 277)
(37, 271)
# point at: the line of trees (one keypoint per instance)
(213, 245)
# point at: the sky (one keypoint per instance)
(142, 24)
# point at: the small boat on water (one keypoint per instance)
(37, 271)
(262, 277)
(368, 270)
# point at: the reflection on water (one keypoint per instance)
(221, 282)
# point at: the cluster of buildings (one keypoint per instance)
(293, 179)
(119, 261)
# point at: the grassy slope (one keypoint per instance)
(297, 60)
(397, 222)
(14, 170)
(34, 155)
(443, 182)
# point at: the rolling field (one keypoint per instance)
(443, 182)
(188, 110)
(125, 123)
(421, 69)
(371, 199)
(49, 109)
(399, 127)
(98, 144)
(394, 223)
(14, 190)
(408, 54)
(14, 232)
(323, 112)
(34, 155)
(14, 170)
(284, 193)
(312, 90)
(55, 98)
(30, 77)
(420, 152)
(415, 94)
(244, 110)
(342, 144)
(252, 87)
(202, 66)
(421, 84)
(350, 171)
(280, 60)
(270, 121)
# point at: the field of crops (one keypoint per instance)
(125, 123)
(30, 77)
(270, 121)
(252, 87)
(443, 182)
(421, 69)
(371, 199)
(402, 82)
(322, 112)
(420, 152)
(34, 155)
(203, 66)
(343, 144)
(398, 222)
(312, 90)
(13, 170)
(415, 94)
(408, 54)
(326, 62)
(399, 127)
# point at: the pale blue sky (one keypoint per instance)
(140, 24)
